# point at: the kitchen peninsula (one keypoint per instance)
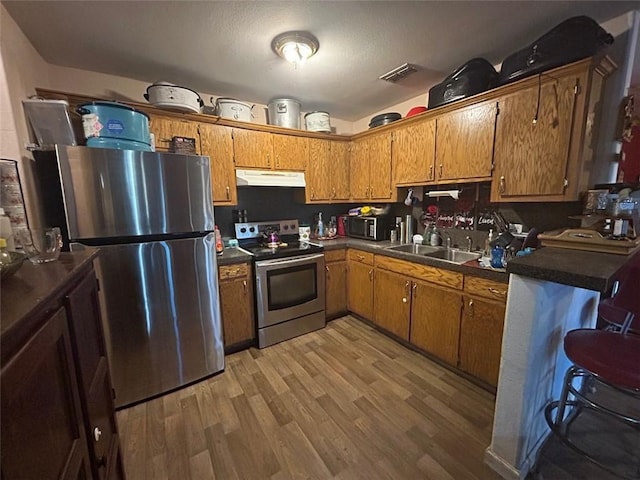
(552, 291)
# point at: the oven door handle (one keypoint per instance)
(290, 261)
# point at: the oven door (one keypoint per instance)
(288, 288)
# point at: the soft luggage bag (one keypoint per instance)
(572, 40)
(475, 76)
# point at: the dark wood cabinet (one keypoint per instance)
(58, 418)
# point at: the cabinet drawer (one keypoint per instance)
(360, 256)
(335, 255)
(485, 288)
(233, 271)
(421, 272)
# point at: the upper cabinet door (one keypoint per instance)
(359, 170)
(464, 143)
(165, 128)
(290, 152)
(216, 141)
(318, 173)
(339, 162)
(412, 153)
(380, 166)
(533, 136)
(252, 149)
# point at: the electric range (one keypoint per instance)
(252, 237)
(289, 280)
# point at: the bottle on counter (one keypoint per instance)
(320, 226)
(6, 231)
(219, 244)
(487, 243)
(5, 256)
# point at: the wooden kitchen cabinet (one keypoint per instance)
(435, 320)
(290, 152)
(392, 302)
(544, 134)
(236, 305)
(327, 173)
(253, 149)
(464, 144)
(43, 435)
(165, 128)
(216, 142)
(336, 282)
(56, 394)
(481, 330)
(370, 168)
(413, 153)
(360, 283)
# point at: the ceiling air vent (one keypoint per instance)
(399, 73)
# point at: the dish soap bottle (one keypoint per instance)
(320, 228)
(487, 243)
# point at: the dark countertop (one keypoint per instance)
(24, 294)
(590, 270)
(233, 255)
(468, 268)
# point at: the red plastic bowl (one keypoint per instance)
(415, 111)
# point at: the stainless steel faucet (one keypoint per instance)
(448, 240)
(469, 243)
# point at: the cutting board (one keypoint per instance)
(589, 240)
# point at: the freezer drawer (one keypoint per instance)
(161, 315)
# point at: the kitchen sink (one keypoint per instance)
(453, 255)
(415, 248)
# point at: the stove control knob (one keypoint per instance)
(252, 229)
(293, 226)
(243, 230)
(286, 227)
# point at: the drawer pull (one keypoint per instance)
(501, 293)
(244, 286)
(471, 308)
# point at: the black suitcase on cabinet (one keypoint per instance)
(475, 76)
(572, 40)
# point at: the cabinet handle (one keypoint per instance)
(333, 193)
(313, 194)
(503, 185)
(407, 286)
(244, 286)
(228, 192)
(277, 160)
(360, 257)
(500, 293)
(268, 160)
(441, 169)
(431, 172)
(326, 268)
(371, 274)
(471, 308)
(96, 433)
(414, 288)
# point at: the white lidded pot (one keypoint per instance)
(284, 112)
(166, 95)
(232, 109)
(317, 122)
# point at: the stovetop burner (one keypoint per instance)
(251, 237)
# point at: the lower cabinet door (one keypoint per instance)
(392, 303)
(39, 394)
(336, 285)
(435, 320)
(481, 338)
(360, 290)
(236, 300)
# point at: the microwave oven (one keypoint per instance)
(369, 228)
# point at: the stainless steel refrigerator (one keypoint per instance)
(151, 215)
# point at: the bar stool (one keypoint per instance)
(598, 357)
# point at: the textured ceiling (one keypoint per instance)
(224, 47)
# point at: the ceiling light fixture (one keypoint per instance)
(295, 47)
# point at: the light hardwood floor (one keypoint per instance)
(344, 402)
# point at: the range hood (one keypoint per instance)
(269, 178)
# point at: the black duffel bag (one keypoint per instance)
(572, 40)
(475, 76)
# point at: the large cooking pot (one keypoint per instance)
(284, 112)
(166, 95)
(384, 119)
(233, 109)
(114, 125)
(317, 122)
